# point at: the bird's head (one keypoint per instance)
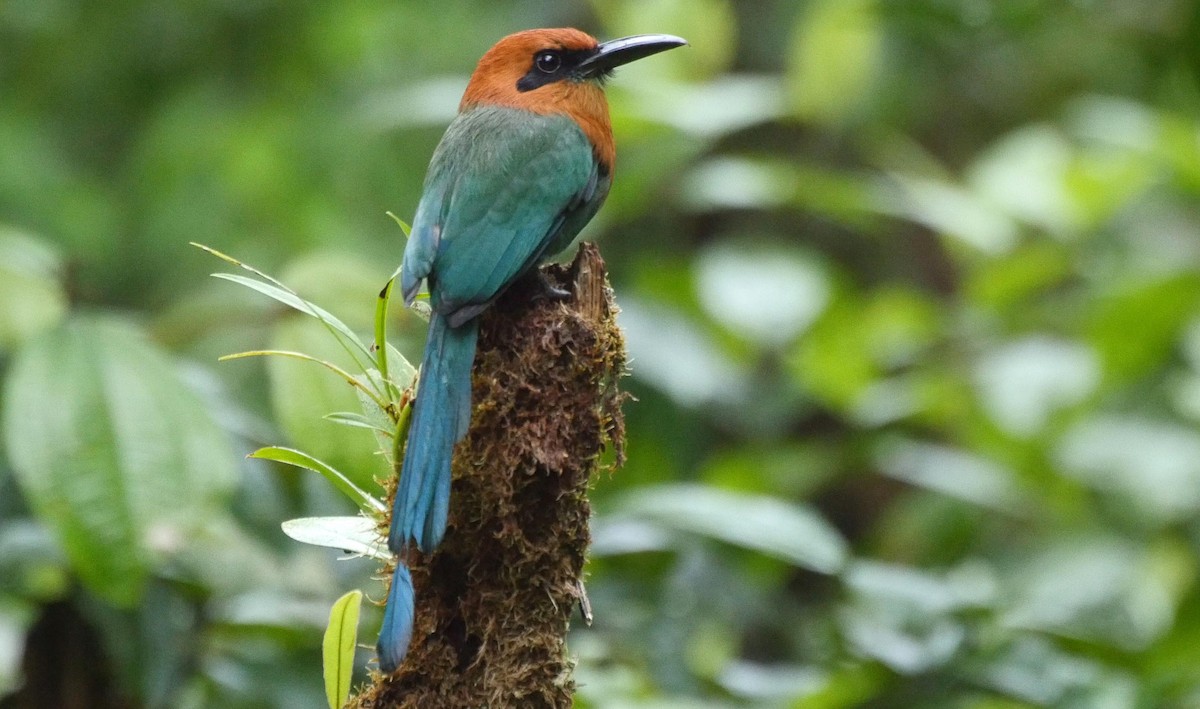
(538, 68)
(559, 71)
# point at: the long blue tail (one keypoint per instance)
(397, 626)
(441, 416)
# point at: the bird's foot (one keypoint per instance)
(543, 289)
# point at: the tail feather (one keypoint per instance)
(396, 631)
(441, 416)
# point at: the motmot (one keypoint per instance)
(523, 167)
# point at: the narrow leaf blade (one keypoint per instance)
(297, 303)
(300, 459)
(404, 226)
(337, 649)
(381, 310)
(349, 418)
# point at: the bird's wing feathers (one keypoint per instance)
(504, 185)
(423, 241)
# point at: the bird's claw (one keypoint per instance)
(543, 289)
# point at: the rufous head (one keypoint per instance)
(548, 71)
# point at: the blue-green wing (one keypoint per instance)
(502, 187)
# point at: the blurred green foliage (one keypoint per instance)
(912, 292)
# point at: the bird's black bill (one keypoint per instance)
(612, 54)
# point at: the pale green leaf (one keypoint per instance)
(357, 535)
(1101, 588)
(834, 58)
(952, 211)
(768, 295)
(1025, 174)
(788, 531)
(705, 110)
(1149, 465)
(16, 618)
(337, 649)
(679, 357)
(952, 472)
(32, 297)
(1023, 383)
(402, 372)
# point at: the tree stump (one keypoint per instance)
(493, 602)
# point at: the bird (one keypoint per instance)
(520, 170)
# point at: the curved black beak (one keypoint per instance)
(613, 53)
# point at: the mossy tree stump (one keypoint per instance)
(494, 601)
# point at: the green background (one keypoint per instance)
(911, 290)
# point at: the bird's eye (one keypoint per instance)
(548, 62)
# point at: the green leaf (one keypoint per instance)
(112, 451)
(1023, 383)
(16, 618)
(337, 649)
(404, 226)
(710, 26)
(833, 361)
(952, 472)
(356, 382)
(768, 295)
(302, 396)
(1130, 598)
(349, 418)
(383, 422)
(304, 460)
(679, 357)
(381, 310)
(1012, 281)
(1136, 329)
(834, 58)
(1151, 466)
(952, 211)
(791, 532)
(403, 372)
(294, 301)
(358, 535)
(387, 357)
(858, 341)
(31, 295)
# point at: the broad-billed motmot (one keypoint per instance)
(519, 172)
